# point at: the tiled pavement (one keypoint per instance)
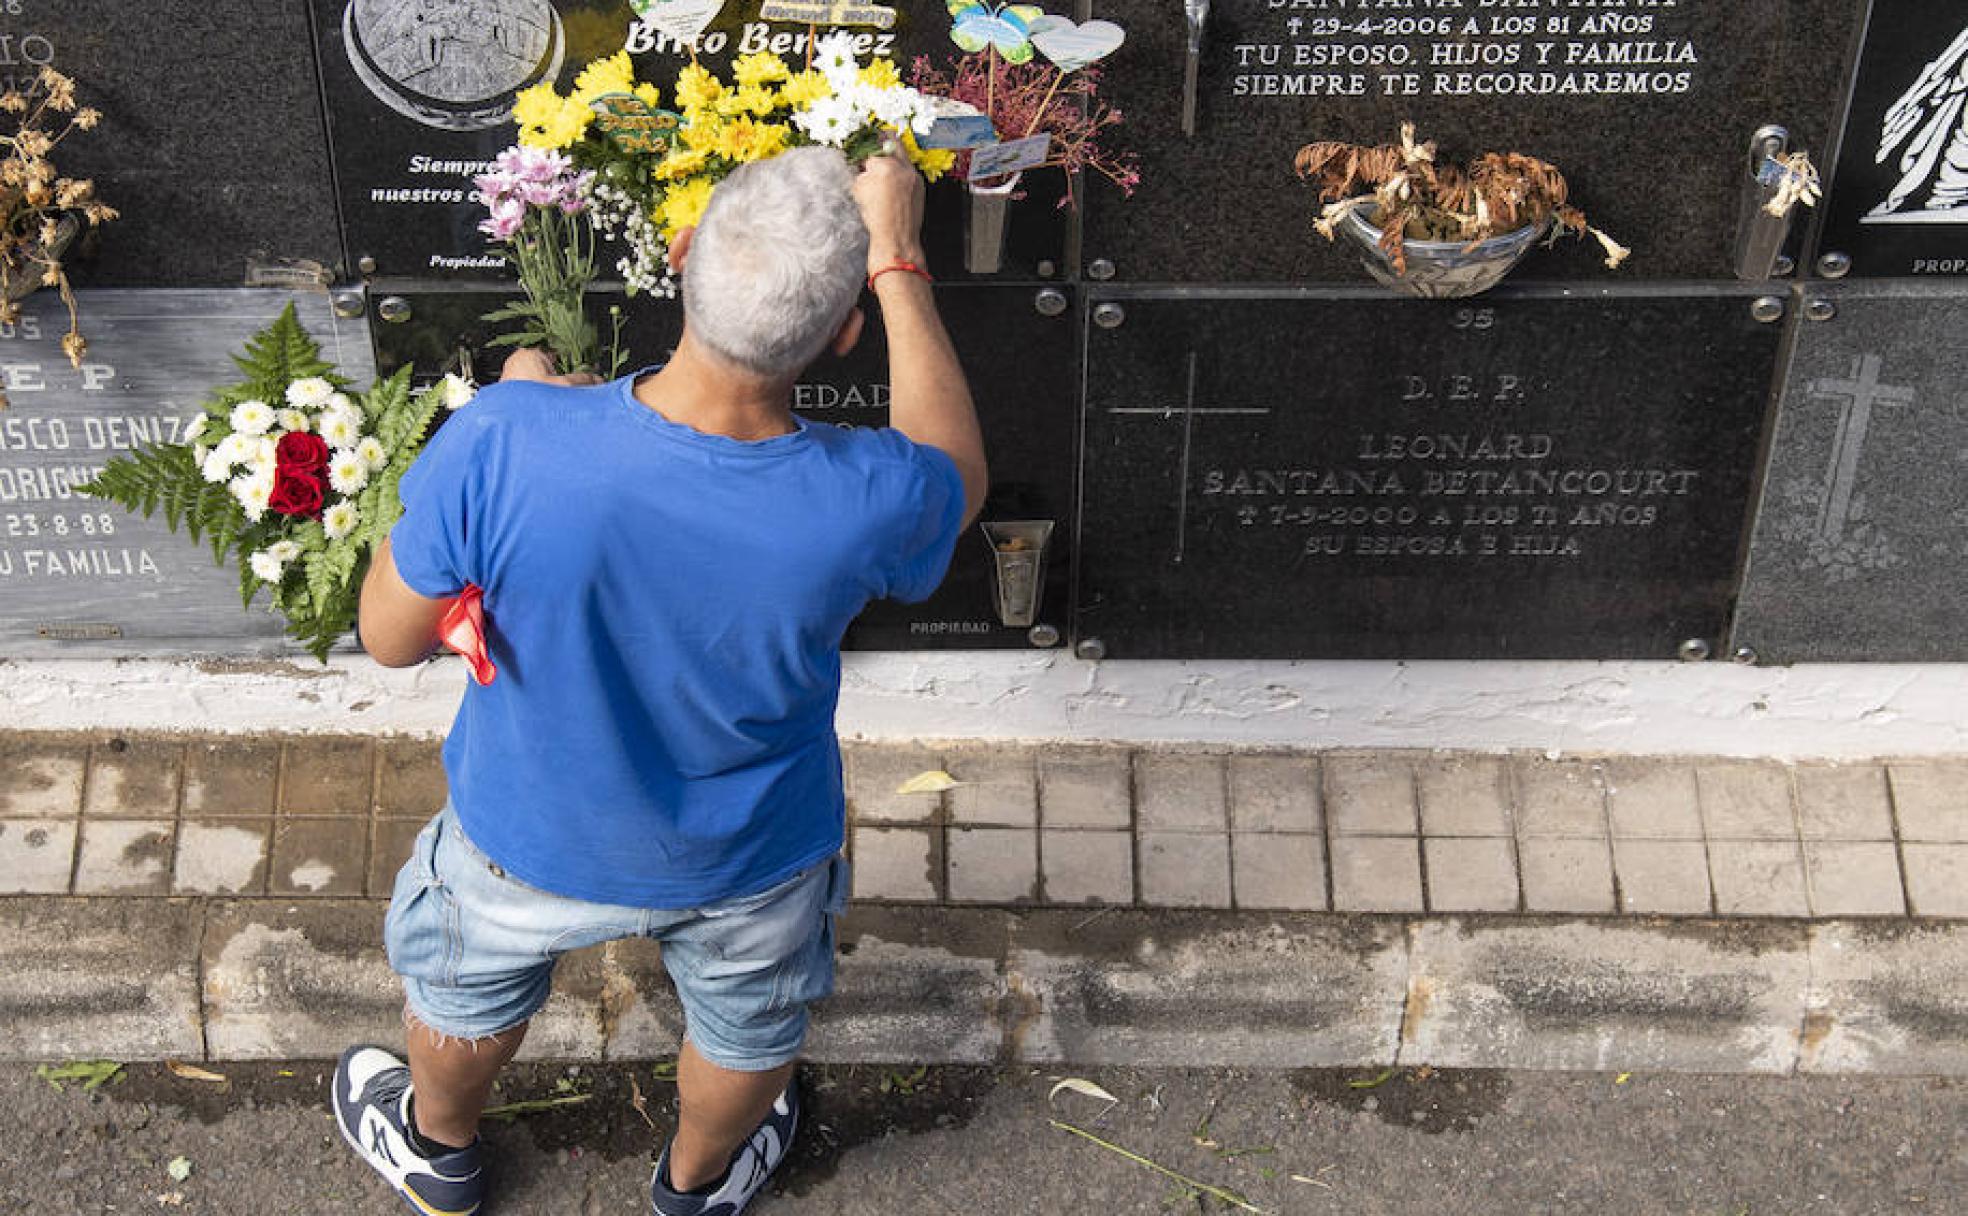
(1075, 825)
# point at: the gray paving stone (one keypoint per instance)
(125, 857)
(1758, 877)
(109, 979)
(37, 856)
(138, 780)
(1747, 801)
(895, 863)
(319, 857)
(1559, 798)
(1605, 996)
(1937, 879)
(1180, 792)
(993, 865)
(1471, 874)
(222, 856)
(231, 777)
(876, 771)
(1854, 878)
(1931, 801)
(410, 780)
(1275, 794)
(1168, 988)
(328, 777)
(41, 779)
(1376, 874)
(928, 989)
(1278, 872)
(1662, 877)
(1184, 869)
(1563, 875)
(1843, 802)
(1088, 867)
(1372, 795)
(1887, 998)
(1653, 800)
(1464, 796)
(1000, 786)
(1082, 787)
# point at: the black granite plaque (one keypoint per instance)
(79, 575)
(1862, 536)
(1647, 108)
(211, 142)
(1537, 474)
(1023, 370)
(416, 107)
(1898, 204)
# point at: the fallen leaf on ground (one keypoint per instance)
(1080, 1085)
(515, 1110)
(192, 1072)
(1373, 1082)
(1227, 1196)
(664, 1070)
(635, 1100)
(171, 1199)
(179, 1169)
(935, 781)
(1316, 1181)
(92, 1073)
(1623, 1078)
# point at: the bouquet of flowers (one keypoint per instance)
(42, 212)
(291, 474)
(537, 200)
(644, 173)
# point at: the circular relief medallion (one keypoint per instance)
(453, 64)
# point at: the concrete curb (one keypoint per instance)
(261, 978)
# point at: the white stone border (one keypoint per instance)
(1816, 711)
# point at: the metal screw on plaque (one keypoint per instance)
(1834, 265)
(1050, 302)
(1695, 650)
(1785, 267)
(1045, 637)
(366, 264)
(1821, 310)
(1745, 655)
(1101, 269)
(1047, 268)
(1091, 649)
(394, 309)
(1767, 309)
(349, 305)
(1109, 316)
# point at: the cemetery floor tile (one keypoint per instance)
(1937, 879)
(410, 778)
(231, 777)
(1083, 867)
(993, 865)
(1279, 872)
(223, 856)
(1376, 874)
(1371, 795)
(1854, 878)
(901, 863)
(41, 779)
(1560, 798)
(1180, 792)
(37, 856)
(1086, 787)
(1185, 869)
(1464, 796)
(1275, 794)
(1843, 802)
(1471, 874)
(876, 772)
(328, 777)
(125, 857)
(135, 780)
(998, 786)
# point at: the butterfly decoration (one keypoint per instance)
(634, 125)
(1005, 27)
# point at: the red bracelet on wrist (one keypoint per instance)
(908, 267)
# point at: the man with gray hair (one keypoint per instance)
(668, 563)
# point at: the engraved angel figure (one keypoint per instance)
(1931, 122)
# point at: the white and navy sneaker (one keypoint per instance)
(372, 1106)
(750, 1166)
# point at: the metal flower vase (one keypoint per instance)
(24, 274)
(987, 213)
(1440, 270)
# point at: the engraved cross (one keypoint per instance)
(1859, 395)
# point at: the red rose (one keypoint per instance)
(295, 493)
(300, 452)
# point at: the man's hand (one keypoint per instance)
(532, 363)
(890, 193)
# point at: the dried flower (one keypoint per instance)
(1032, 99)
(40, 209)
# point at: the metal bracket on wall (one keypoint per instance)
(1760, 236)
(1197, 14)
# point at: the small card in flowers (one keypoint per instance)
(1012, 156)
(828, 12)
(683, 20)
(634, 124)
(958, 126)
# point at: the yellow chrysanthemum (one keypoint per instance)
(649, 95)
(536, 106)
(933, 163)
(680, 164)
(703, 133)
(683, 207)
(746, 140)
(753, 99)
(697, 88)
(559, 129)
(761, 68)
(881, 74)
(802, 89)
(615, 74)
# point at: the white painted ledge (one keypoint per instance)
(1823, 710)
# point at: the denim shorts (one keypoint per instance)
(476, 949)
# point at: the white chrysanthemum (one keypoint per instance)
(834, 56)
(340, 520)
(309, 394)
(194, 430)
(457, 391)
(829, 121)
(263, 464)
(341, 429)
(216, 467)
(342, 403)
(348, 473)
(284, 551)
(252, 418)
(293, 420)
(266, 567)
(199, 452)
(373, 453)
(252, 494)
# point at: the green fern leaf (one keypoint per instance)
(279, 355)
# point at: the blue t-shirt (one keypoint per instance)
(665, 608)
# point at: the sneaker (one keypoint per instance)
(750, 1166)
(372, 1106)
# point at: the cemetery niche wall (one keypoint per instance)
(1652, 461)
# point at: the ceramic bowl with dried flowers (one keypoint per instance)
(42, 212)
